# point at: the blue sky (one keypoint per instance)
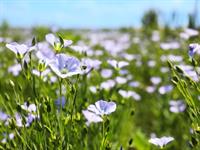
(91, 13)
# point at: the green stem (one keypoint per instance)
(74, 99)
(60, 93)
(103, 136)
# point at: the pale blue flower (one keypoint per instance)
(102, 107)
(18, 120)
(53, 40)
(29, 119)
(193, 48)
(128, 94)
(106, 73)
(31, 116)
(44, 53)
(9, 136)
(15, 69)
(90, 64)
(80, 49)
(118, 64)
(165, 89)
(150, 89)
(121, 80)
(177, 106)
(20, 49)
(134, 84)
(3, 116)
(65, 66)
(93, 89)
(107, 85)
(30, 108)
(60, 102)
(91, 117)
(155, 80)
(43, 74)
(94, 113)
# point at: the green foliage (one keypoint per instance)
(189, 89)
(130, 126)
(150, 21)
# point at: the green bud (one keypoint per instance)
(169, 64)
(132, 112)
(61, 40)
(41, 66)
(11, 83)
(174, 80)
(33, 41)
(58, 47)
(194, 141)
(19, 57)
(184, 83)
(130, 141)
(7, 97)
(178, 69)
(25, 65)
(194, 62)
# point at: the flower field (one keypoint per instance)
(122, 89)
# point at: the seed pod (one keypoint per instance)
(179, 70)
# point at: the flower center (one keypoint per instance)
(64, 71)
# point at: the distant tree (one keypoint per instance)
(150, 20)
(191, 21)
(40, 32)
(4, 27)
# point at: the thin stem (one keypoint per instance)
(74, 99)
(103, 135)
(60, 93)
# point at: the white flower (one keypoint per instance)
(151, 63)
(128, 94)
(9, 136)
(170, 45)
(107, 85)
(30, 108)
(93, 89)
(191, 32)
(65, 66)
(150, 89)
(165, 89)
(155, 80)
(120, 80)
(44, 73)
(161, 141)
(118, 64)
